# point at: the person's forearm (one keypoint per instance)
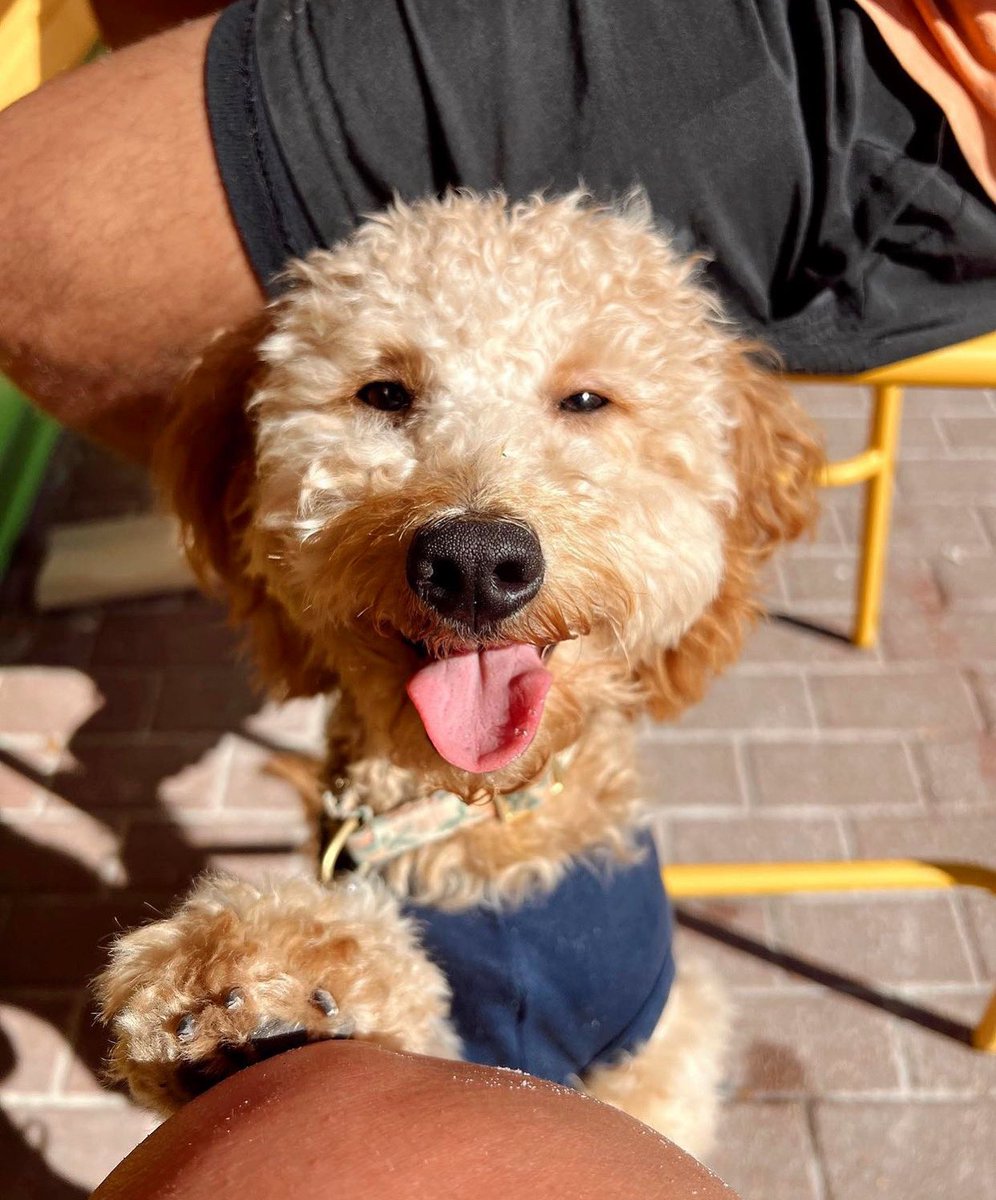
(118, 258)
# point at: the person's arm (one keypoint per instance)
(118, 256)
(345, 1121)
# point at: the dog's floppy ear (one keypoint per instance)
(204, 464)
(776, 459)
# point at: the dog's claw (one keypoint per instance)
(273, 1036)
(226, 1033)
(324, 1000)
(186, 1027)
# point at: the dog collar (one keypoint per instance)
(355, 838)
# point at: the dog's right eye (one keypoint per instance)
(385, 395)
(583, 402)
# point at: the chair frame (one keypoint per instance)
(875, 466)
(685, 881)
(969, 364)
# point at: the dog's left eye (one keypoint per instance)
(385, 395)
(583, 402)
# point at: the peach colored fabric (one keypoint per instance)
(949, 48)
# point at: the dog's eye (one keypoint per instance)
(583, 402)
(385, 395)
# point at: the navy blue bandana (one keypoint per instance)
(566, 981)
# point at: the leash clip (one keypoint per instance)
(340, 820)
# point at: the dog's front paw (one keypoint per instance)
(221, 1034)
(237, 975)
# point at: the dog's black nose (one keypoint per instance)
(475, 571)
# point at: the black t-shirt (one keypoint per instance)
(783, 140)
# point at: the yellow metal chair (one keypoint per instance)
(40, 38)
(687, 881)
(967, 365)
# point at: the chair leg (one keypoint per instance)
(878, 509)
(984, 1034)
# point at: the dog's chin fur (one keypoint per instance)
(654, 513)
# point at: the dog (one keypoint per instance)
(498, 478)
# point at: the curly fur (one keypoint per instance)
(655, 514)
(351, 941)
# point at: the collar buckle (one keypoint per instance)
(340, 819)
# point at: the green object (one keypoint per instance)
(26, 440)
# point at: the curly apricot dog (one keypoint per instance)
(497, 478)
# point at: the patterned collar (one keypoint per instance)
(352, 837)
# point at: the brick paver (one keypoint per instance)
(928, 699)
(132, 753)
(879, 937)
(845, 772)
(758, 1135)
(961, 772)
(904, 1151)
(795, 1044)
(936, 1066)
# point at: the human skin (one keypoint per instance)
(346, 1120)
(119, 258)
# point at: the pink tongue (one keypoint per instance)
(482, 709)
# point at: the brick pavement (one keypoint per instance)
(130, 757)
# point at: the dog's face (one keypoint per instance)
(503, 468)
